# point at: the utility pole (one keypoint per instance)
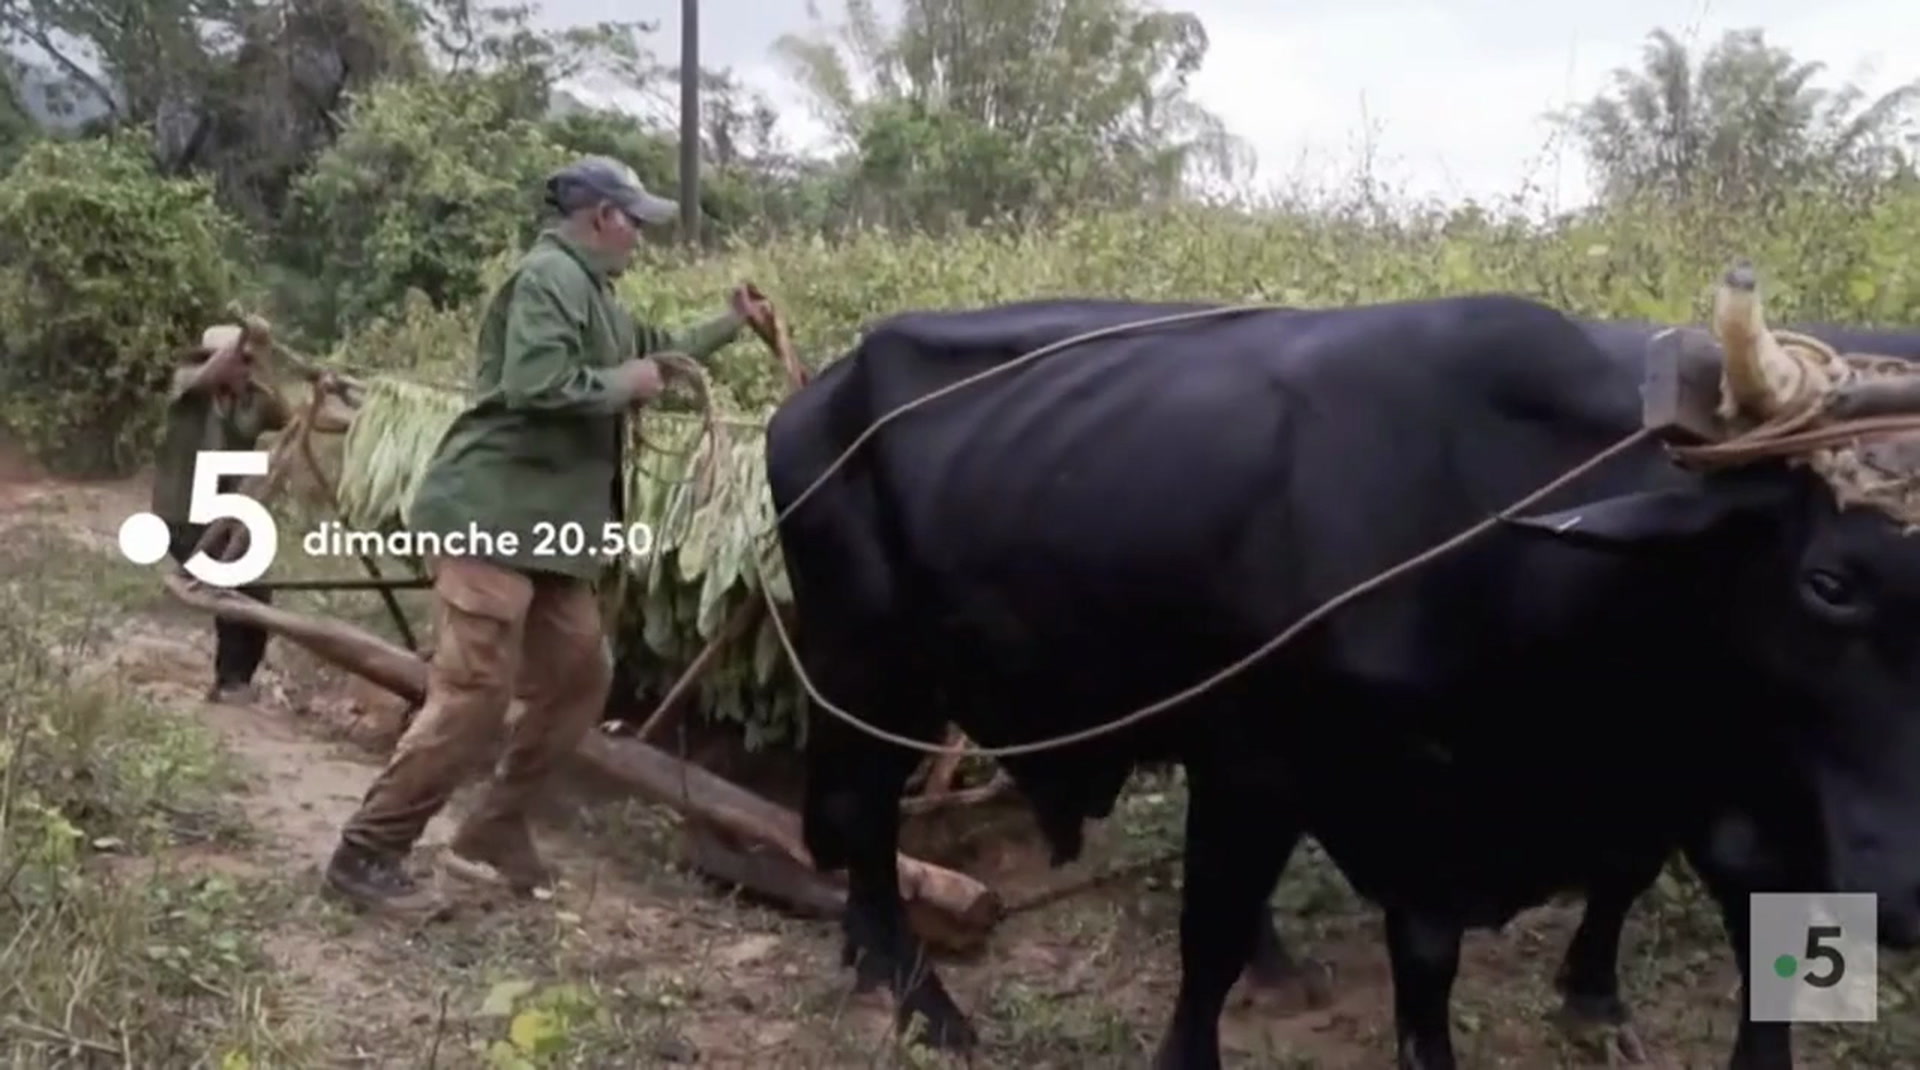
(690, 121)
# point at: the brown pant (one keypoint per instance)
(498, 633)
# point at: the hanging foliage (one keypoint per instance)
(705, 504)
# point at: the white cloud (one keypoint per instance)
(1455, 89)
(1441, 114)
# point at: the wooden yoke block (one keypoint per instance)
(1680, 393)
(1894, 396)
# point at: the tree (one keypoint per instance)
(18, 128)
(244, 91)
(107, 268)
(525, 64)
(428, 182)
(541, 74)
(986, 107)
(743, 170)
(1744, 124)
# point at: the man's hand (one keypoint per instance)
(640, 377)
(752, 305)
(226, 370)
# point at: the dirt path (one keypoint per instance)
(377, 997)
(671, 970)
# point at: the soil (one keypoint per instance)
(703, 977)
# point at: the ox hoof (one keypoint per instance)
(947, 1031)
(1601, 1027)
(1596, 1010)
(870, 971)
(1292, 988)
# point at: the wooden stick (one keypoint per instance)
(745, 615)
(1875, 397)
(927, 803)
(953, 909)
(755, 867)
(782, 345)
(354, 649)
(305, 367)
(940, 776)
(404, 583)
(961, 910)
(1680, 387)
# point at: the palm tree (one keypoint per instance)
(1003, 104)
(1745, 123)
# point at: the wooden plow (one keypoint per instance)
(730, 833)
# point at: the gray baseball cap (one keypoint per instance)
(592, 178)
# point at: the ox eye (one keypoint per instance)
(1831, 593)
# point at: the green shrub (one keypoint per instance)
(1823, 259)
(106, 268)
(427, 183)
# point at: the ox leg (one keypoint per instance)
(864, 809)
(1731, 862)
(1425, 956)
(1272, 965)
(1274, 969)
(1756, 1045)
(1228, 878)
(1589, 975)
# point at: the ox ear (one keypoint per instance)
(1649, 519)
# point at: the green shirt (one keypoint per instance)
(202, 419)
(536, 455)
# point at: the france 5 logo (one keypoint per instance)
(1814, 958)
(145, 539)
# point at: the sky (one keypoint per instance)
(1449, 93)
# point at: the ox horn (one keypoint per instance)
(1759, 378)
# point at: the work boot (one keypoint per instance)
(497, 850)
(376, 881)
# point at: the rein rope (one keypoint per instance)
(1221, 676)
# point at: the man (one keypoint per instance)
(214, 404)
(537, 453)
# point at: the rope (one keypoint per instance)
(711, 424)
(1020, 361)
(1220, 677)
(1192, 691)
(703, 474)
(1788, 442)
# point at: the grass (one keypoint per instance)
(121, 948)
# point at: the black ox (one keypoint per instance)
(1048, 549)
(1588, 977)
